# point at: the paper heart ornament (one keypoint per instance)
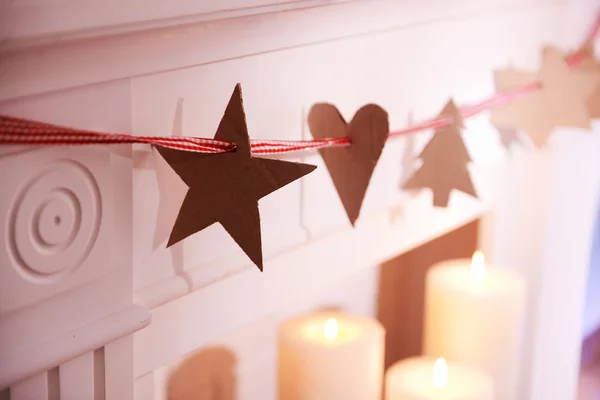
(351, 167)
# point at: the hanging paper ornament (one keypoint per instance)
(351, 167)
(226, 187)
(445, 159)
(560, 101)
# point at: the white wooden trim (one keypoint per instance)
(568, 237)
(77, 378)
(118, 364)
(37, 23)
(39, 387)
(129, 55)
(56, 350)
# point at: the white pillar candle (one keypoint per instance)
(331, 356)
(423, 378)
(474, 315)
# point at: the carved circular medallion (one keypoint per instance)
(54, 221)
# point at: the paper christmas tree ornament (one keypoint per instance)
(445, 159)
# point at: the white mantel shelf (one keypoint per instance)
(35, 23)
(182, 43)
(65, 345)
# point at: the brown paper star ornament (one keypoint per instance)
(560, 101)
(226, 187)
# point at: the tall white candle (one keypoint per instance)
(331, 356)
(474, 314)
(423, 378)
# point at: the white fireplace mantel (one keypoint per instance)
(120, 67)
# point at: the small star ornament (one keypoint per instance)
(560, 101)
(226, 187)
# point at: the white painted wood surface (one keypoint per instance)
(32, 21)
(166, 49)
(567, 243)
(68, 289)
(118, 359)
(41, 386)
(77, 378)
(204, 291)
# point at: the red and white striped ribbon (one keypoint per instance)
(17, 131)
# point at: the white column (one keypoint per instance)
(77, 378)
(118, 364)
(573, 200)
(43, 386)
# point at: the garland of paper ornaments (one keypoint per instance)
(225, 180)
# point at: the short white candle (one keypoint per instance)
(331, 356)
(474, 314)
(423, 378)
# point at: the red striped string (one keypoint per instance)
(17, 131)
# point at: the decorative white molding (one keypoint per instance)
(45, 353)
(129, 55)
(37, 23)
(406, 234)
(52, 205)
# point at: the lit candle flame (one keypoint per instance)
(331, 329)
(477, 266)
(440, 373)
